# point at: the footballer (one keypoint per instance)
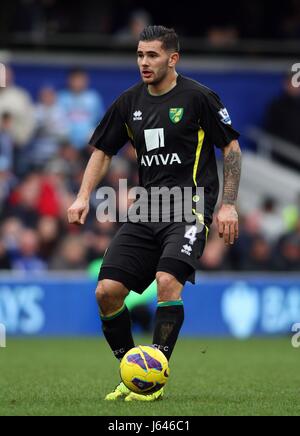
(173, 123)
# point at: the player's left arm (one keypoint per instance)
(228, 220)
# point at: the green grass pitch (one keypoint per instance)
(208, 377)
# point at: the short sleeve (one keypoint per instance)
(111, 134)
(216, 121)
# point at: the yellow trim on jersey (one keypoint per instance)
(129, 132)
(201, 221)
(201, 136)
(207, 233)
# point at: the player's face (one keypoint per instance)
(154, 62)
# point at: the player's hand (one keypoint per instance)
(228, 224)
(78, 212)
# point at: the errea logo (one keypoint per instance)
(187, 250)
(138, 116)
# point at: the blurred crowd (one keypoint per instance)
(224, 22)
(43, 155)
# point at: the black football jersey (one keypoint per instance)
(174, 136)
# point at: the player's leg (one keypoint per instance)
(169, 316)
(168, 321)
(173, 270)
(182, 248)
(115, 317)
(129, 264)
(116, 324)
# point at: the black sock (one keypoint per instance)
(117, 331)
(168, 322)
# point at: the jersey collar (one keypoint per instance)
(160, 98)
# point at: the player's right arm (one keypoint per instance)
(108, 138)
(96, 170)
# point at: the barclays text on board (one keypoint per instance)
(215, 307)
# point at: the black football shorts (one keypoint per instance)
(140, 250)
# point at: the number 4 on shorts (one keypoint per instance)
(191, 235)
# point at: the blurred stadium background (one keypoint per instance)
(65, 65)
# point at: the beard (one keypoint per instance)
(159, 76)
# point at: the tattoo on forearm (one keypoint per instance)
(232, 176)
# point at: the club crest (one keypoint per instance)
(176, 115)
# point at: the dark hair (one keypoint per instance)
(168, 37)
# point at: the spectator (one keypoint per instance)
(269, 220)
(10, 234)
(7, 184)
(72, 255)
(23, 201)
(5, 263)
(51, 127)
(71, 158)
(259, 256)
(6, 142)
(55, 189)
(27, 259)
(50, 231)
(18, 103)
(248, 230)
(7, 180)
(288, 251)
(83, 108)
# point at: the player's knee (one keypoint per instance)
(169, 289)
(102, 292)
(110, 296)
